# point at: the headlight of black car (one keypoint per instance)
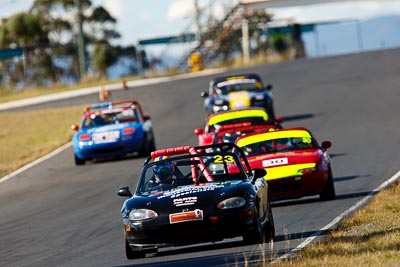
(142, 214)
(258, 97)
(220, 108)
(231, 203)
(219, 105)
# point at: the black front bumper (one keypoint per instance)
(149, 236)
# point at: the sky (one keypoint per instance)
(138, 20)
(152, 18)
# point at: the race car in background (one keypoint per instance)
(205, 194)
(226, 126)
(296, 164)
(239, 91)
(112, 129)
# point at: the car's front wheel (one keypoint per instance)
(130, 253)
(148, 147)
(257, 234)
(79, 161)
(329, 192)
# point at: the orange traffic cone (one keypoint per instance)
(124, 86)
(103, 94)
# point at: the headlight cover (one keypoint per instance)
(259, 97)
(142, 214)
(220, 108)
(232, 203)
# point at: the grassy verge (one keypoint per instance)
(369, 238)
(26, 136)
(13, 94)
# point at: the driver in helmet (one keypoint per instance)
(163, 173)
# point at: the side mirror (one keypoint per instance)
(146, 117)
(198, 131)
(259, 173)
(279, 119)
(124, 192)
(75, 127)
(204, 94)
(326, 144)
(268, 87)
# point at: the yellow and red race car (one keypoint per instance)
(225, 127)
(296, 164)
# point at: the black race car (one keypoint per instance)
(188, 195)
(239, 91)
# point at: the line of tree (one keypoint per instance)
(48, 35)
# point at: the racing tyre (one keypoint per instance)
(79, 161)
(132, 254)
(257, 234)
(152, 145)
(148, 147)
(329, 192)
(270, 226)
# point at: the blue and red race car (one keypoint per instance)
(296, 164)
(112, 129)
(228, 125)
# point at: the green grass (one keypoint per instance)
(26, 136)
(371, 237)
(11, 95)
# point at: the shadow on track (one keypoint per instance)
(292, 202)
(253, 253)
(297, 117)
(347, 178)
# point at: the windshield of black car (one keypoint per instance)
(110, 117)
(189, 170)
(237, 87)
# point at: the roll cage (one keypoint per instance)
(208, 163)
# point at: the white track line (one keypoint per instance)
(335, 221)
(36, 162)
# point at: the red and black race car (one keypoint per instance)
(187, 195)
(228, 125)
(297, 165)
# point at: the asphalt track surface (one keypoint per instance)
(57, 214)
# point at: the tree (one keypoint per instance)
(103, 56)
(98, 27)
(25, 31)
(50, 42)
